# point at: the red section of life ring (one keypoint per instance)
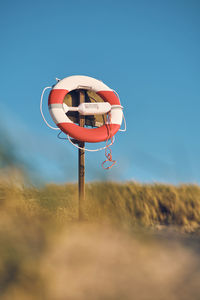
(110, 97)
(57, 96)
(91, 135)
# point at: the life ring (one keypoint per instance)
(91, 135)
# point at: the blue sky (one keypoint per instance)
(148, 51)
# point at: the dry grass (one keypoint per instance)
(46, 254)
(122, 203)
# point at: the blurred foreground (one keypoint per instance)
(137, 242)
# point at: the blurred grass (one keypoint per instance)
(120, 203)
(31, 218)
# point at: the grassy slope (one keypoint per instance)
(32, 218)
(129, 203)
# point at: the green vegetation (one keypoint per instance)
(37, 231)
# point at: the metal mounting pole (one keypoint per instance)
(81, 163)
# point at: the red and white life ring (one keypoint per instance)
(91, 135)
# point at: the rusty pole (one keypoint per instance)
(81, 163)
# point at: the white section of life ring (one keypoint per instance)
(81, 82)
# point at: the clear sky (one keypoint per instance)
(148, 51)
